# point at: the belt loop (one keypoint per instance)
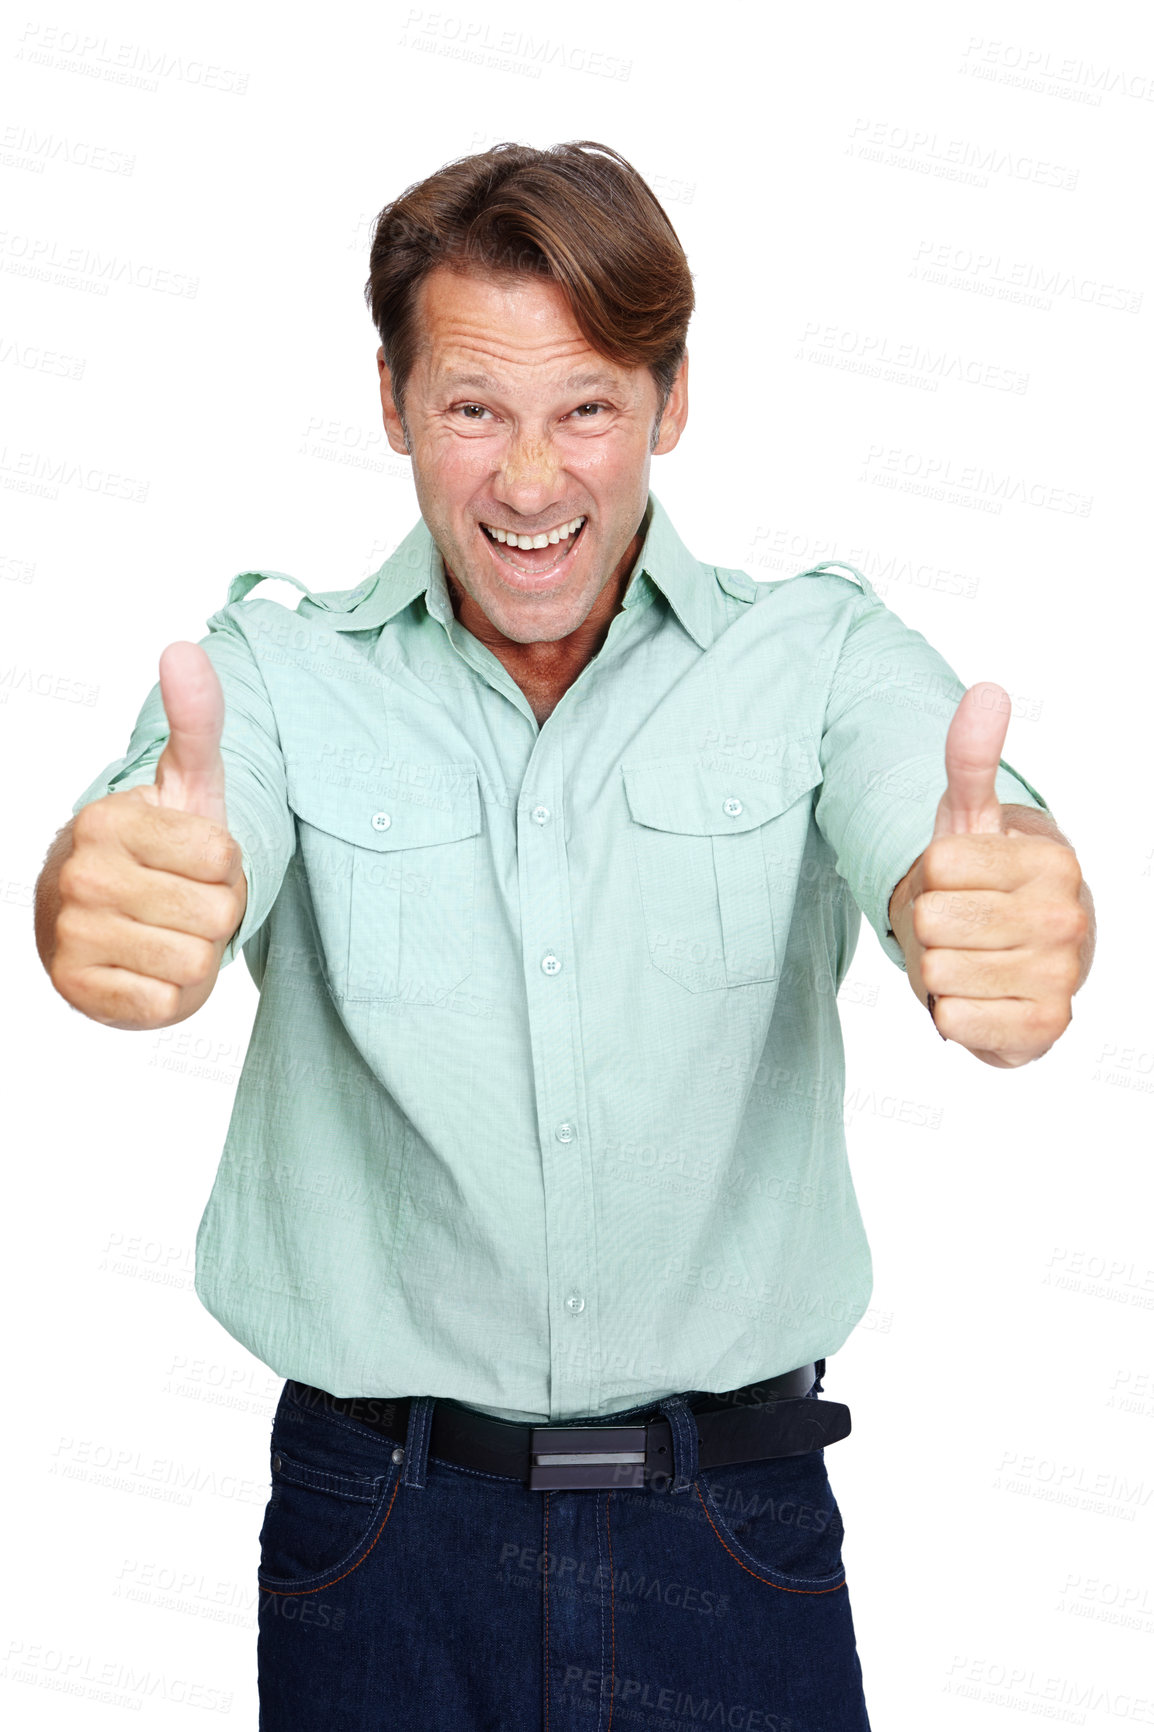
(417, 1441)
(684, 1429)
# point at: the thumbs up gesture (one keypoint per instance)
(993, 917)
(154, 888)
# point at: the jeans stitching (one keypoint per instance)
(321, 1586)
(769, 1582)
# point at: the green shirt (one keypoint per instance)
(542, 1110)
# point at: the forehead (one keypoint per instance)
(488, 327)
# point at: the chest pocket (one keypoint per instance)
(717, 853)
(392, 874)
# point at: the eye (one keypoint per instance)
(582, 407)
(472, 411)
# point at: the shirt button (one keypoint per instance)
(381, 820)
(551, 964)
(565, 1133)
(540, 814)
(575, 1303)
(733, 808)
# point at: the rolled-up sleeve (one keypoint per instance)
(259, 818)
(890, 705)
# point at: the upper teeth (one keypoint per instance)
(561, 533)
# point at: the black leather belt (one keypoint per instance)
(774, 1417)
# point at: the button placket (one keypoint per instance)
(549, 965)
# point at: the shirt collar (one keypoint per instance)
(415, 568)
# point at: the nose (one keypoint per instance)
(530, 476)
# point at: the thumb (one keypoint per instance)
(190, 770)
(973, 747)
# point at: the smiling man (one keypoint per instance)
(548, 847)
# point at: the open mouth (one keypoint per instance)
(536, 555)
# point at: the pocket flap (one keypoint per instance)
(695, 796)
(434, 803)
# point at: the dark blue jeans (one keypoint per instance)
(418, 1596)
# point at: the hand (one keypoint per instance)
(153, 888)
(992, 916)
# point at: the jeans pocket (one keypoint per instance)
(779, 1520)
(320, 1525)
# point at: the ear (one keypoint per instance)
(676, 410)
(394, 431)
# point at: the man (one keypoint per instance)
(547, 847)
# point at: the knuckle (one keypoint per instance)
(933, 969)
(922, 919)
(71, 925)
(935, 859)
(199, 963)
(91, 823)
(160, 1004)
(223, 917)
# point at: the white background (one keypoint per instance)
(920, 238)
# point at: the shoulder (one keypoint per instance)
(832, 586)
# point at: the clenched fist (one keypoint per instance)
(153, 888)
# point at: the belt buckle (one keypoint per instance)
(586, 1457)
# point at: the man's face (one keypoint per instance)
(516, 426)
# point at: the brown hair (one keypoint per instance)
(577, 213)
